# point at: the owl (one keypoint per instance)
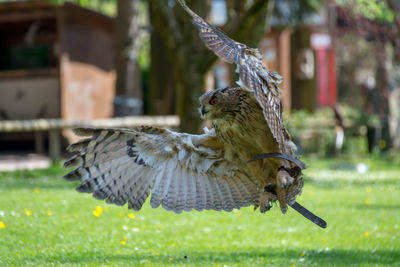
(245, 159)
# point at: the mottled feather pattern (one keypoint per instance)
(183, 172)
(124, 166)
(254, 76)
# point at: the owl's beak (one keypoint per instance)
(203, 111)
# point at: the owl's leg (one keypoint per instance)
(281, 196)
(284, 180)
(265, 200)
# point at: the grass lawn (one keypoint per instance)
(44, 221)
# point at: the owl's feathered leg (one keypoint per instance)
(265, 201)
(285, 178)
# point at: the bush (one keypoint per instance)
(315, 133)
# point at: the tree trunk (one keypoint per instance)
(394, 99)
(381, 104)
(304, 89)
(128, 85)
(161, 94)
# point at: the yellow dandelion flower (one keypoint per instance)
(368, 189)
(49, 212)
(96, 213)
(262, 259)
(368, 201)
(99, 209)
(217, 265)
(171, 259)
(125, 238)
(36, 190)
(366, 234)
(2, 225)
(123, 243)
(293, 265)
(28, 212)
(302, 254)
(131, 215)
(382, 144)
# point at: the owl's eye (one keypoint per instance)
(213, 101)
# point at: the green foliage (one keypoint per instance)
(46, 223)
(372, 9)
(287, 12)
(358, 118)
(107, 7)
(315, 133)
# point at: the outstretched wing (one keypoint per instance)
(182, 171)
(223, 46)
(254, 76)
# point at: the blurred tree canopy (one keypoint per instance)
(371, 9)
(176, 40)
(107, 7)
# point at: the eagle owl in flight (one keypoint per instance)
(225, 168)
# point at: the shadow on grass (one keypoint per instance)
(269, 255)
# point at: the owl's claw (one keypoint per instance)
(283, 179)
(265, 200)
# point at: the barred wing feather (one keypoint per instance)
(223, 46)
(180, 170)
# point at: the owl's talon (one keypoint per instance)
(264, 201)
(283, 179)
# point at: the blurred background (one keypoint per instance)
(68, 63)
(122, 63)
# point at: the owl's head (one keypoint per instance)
(219, 103)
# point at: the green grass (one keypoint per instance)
(362, 211)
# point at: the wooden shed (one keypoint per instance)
(55, 62)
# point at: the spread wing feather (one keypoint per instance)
(254, 76)
(223, 46)
(179, 170)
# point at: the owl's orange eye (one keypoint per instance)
(213, 101)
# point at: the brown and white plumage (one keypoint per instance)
(254, 76)
(209, 171)
(182, 171)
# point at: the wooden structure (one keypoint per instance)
(55, 62)
(54, 127)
